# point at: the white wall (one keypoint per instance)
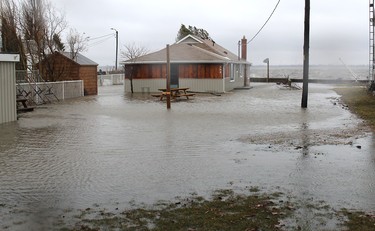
(114, 79)
(195, 85)
(8, 109)
(203, 85)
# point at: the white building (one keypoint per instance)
(8, 107)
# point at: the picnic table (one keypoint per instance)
(174, 92)
(25, 107)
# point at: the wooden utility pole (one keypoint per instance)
(168, 88)
(268, 71)
(306, 47)
(372, 42)
(116, 47)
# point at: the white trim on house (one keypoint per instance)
(189, 37)
(184, 61)
(9, 58)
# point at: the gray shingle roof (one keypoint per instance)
(80, 59)
(190, 50)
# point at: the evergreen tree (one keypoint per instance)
(199, 32)
(59, 45)
(182, 32)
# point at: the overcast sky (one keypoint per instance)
(339, 28)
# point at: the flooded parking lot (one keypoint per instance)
(116, 149)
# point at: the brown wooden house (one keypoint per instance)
(200, 64)
(60, 66)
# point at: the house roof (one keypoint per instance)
(190, 49)
(80, 59)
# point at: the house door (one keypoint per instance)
(174, 76)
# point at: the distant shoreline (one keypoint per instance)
(324, 72)
(299, 80)
(312, 65)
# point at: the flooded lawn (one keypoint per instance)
(115, 150)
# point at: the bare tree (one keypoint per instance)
(36, 27)
(131, 53)
(54, 26)
(9, 22)
(77, 42)
(33, 27)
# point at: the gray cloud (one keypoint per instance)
(338, 27)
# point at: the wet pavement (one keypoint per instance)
(114, 150)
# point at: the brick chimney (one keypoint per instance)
(244, 48)
(244, 58)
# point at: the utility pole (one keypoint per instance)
(116, 46)
(267, 60)
(306, 47)
(1, 38)
(371, 76)
(168, 89)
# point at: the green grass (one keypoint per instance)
(358, 221)
(227, 210)
(224, 211)
(360, 102)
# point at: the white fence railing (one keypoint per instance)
(107, 80)
(44, 92)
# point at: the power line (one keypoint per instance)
(99, 42)
(265, 23)
(107, 35)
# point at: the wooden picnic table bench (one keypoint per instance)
(175, 93)
(25, 108)
(22, 101)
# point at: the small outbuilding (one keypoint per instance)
(199, 64)
(63, 66)
(8, 108)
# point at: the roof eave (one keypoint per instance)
(187, 61)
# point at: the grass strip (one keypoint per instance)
(360, 102)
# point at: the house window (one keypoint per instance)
(236, 71)
(232, 72)
(242, 70)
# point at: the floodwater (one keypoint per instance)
(114, 150)
(315, 72)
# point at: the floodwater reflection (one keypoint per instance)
(115, 148)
